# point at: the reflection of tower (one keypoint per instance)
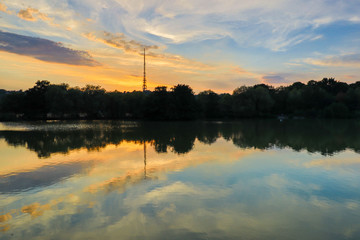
(144, 160)
(144, 80)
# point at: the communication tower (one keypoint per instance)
(144, 80)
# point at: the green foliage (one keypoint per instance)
(252, 101)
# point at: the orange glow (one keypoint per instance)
(5, 217)
(28, 161)
(114, 168)
(35, 209)
(119, 71)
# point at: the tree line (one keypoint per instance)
(327, 98)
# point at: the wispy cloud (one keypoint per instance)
(355, 19)
(274, 79)
(44, 50)
(32, 14)
(277, 26)
(118, 40)
(334, 162)
(352, 59)
(3, 8)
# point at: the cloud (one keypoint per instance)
(118, 40)
(3, 8)
(274, 79)
(350, 76)
(32, 14)
(317, 37)
(355, 19)
(186, 32)
(40, 177)
(352, 59)
(44, 50)
(245, 73)
(276, 25)
(335, 162)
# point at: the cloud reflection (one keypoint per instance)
(41, 177)
(215, 191)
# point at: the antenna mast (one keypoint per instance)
(144, 80)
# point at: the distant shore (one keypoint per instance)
(327, 98)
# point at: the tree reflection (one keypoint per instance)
(324, 136)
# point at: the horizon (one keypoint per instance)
(169, 88)
(206, 45)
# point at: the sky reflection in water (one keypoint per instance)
(248, 179)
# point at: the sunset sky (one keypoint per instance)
(207, 44)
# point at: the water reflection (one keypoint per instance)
(324, 136)
(40, 177)
(204, 180)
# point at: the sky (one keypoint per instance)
(207, 44)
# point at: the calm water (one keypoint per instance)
(197, 180)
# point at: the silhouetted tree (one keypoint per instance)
(225, 105)
(209, 103)
(158, 104)
(134, 104)
(13, 102)
(35, 102)
(184, 102)
(252, 101)
(57, 100)
(94, 101)
(326, 98)
(116, 105)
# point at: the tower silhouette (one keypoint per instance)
(144, 159)
(144, 80)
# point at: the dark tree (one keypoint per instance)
(184, 102)
(209, 103)
(35, 102)
(58, 102)
(158, 104)
(316, 99)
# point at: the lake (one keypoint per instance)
(251, 179)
